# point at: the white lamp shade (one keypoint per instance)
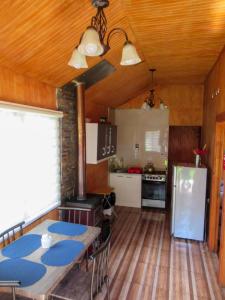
(90, 43)
(146, 106)
(78, 60)
(129, 55)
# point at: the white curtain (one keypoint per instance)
(29, 165)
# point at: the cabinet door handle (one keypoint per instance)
(108, 151)
(103, 151)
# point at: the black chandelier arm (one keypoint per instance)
(114, 31)
(110, 34)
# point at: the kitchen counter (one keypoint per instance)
(125, 173)
(158, 172)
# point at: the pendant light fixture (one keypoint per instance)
(78, 60)
(92, 41)
(150, 100)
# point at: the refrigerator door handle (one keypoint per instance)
(173, 200)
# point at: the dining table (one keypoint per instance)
(40, 269)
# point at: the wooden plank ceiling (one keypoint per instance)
(182, 39)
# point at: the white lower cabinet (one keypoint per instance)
(127, 188)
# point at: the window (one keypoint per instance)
(152, 141)
(29, 163)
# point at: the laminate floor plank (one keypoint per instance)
(147, 264)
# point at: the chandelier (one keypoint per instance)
(150, 100)
(93, 41)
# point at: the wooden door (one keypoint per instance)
(182, 141)
(216, 239)
(215, 201)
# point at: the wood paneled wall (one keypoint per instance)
(97, 175)
(182, 141)
(24, 90)
(185, 103)
(213, 135)
(214, 104)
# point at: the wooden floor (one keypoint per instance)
(145, 263)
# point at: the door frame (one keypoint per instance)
(217, 173)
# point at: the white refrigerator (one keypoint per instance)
(188, 202)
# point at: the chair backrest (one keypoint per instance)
(74, 215)
(9, 235)
(100, 260)
(13, 284)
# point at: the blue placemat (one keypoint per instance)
(67, 228)
(62, 253)
(25, 271)
(23, 246)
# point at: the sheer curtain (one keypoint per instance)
(29, 164)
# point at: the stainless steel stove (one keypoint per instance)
(154, 177)
(154, 189)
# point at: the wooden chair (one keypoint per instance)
(11, 296)
(9, 235)
(81, 285)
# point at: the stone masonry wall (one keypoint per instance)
(67, 103)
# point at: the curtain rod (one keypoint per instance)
(32, 109)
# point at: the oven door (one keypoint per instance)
(153, 193)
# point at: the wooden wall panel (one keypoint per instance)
(182, 141)
(185, 103)
(94, 110)
(213, 104)
(97, 176)
(24, 90)
(214, 108)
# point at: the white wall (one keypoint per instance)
(134, 125)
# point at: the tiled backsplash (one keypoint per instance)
(142, 136)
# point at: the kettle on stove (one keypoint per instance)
(149, 168)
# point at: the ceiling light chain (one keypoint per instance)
(92, 41)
